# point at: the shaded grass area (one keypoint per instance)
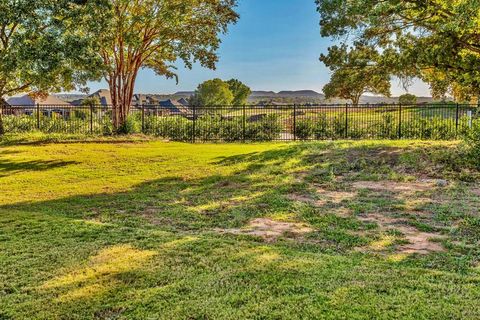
(130, 230)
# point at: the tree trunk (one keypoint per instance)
(121, 86)
(2, 129)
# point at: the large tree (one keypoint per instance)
(48, 45)
(355, 71)
(156, 33)
(418, 35)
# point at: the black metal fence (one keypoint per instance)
(253, 123)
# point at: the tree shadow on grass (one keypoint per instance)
(8, 167)
(260, 189)
(168, 224)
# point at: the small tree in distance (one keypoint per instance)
(355, 72)
(212, 93)
(407, 99)
(240, 91)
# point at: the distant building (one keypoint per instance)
(33, 100)
(175, 107)
(144, 100)
(102, 95)
(27, 104)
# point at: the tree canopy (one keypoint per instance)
(213, 93)
(355, 71)
(154, 34)
(416, 36)
(48, 45)
(407, 99)
(240, 92)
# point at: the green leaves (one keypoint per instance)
(414, 36)
(240, 92)
(47, 45)
(355, 71)
(213, 93)
(217, 92)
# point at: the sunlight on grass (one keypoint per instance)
(397, 257)
(176, 243)
(179, 231)
(384, 242)
(99, 269)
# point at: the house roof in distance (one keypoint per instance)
(104, 96)
(28, 99)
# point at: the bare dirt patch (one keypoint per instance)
(397, 187)
(335, 197)
(270, 230)
(324, 197)
(419, 242)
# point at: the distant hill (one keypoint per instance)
(183, 94)
(284, 94)
(301, 93)
(271, 97)
(378, 100)
(262, 94)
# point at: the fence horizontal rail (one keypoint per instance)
(270, 122)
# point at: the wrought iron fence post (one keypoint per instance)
(457, 118)
(399, 121)
(143, 118)
(244, 124)
(194, 123)
(38, 116)
(91, 118)
(346, 120)
(295, 122)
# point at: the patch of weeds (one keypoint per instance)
(469, 228)
(422, 226)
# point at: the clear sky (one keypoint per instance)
(274, 46)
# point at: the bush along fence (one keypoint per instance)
(253, 123)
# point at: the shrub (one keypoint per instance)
(231, 130)
(208, 127)
(169, 127)
(339, 126)
(388, 128)
(321, 129)
(473, 142)
(131, 125)
(305, 129)
(267, 129)
(19, 124)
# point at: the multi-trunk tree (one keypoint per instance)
(155, 34)
(48, 45)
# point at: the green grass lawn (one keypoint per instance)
(153, 230)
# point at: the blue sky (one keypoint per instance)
(274, 46)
